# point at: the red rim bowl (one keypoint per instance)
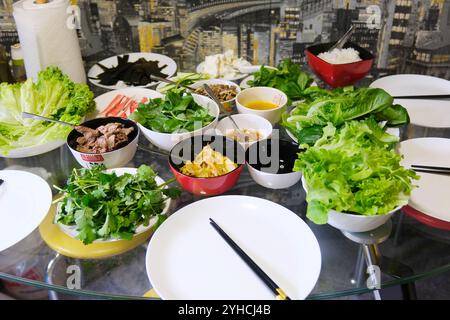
(339, 75)
(189, 148)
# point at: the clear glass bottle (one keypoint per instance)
(5, 70)
(18, 65)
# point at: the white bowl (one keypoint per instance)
(274, 181)
(245, 121)
(166, 141)
(113, 159)
(263, 94)
(269, 177)
(355, 222)
(72, 232)
(228, 105)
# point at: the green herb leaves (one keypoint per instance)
(103, 205)
(176, 112)
(288, 77)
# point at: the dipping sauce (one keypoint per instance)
(261, 105)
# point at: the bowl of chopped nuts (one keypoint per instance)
(225, 90)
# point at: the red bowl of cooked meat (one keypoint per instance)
(110, 141)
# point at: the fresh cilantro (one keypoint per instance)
(103, 205)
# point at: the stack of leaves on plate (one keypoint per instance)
(287, 77)
(103, 205)
(354, 169)
(53, 95)
(176, 112)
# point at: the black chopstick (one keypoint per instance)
(279, 293)
(431, 167)
(430, 96)
(441, 172)
(1, 182)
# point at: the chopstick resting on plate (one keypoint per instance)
(431, 169)
(430, 96)
(279, 293)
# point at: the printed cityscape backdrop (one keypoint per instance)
(406, 36)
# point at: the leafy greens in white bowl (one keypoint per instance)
(353, 177)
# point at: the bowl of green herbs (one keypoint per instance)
(99, 205)
(176, 116)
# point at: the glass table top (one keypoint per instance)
(412, 250)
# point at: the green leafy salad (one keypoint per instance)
(308, 119)
(176, 112)
(53, 95)
(103, 205)
(354, 169)
(287, 77)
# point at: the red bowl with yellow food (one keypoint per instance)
(188, 149)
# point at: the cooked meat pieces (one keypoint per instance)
(221, 91)
(103, 139)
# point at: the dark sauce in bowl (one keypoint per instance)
(273, 156)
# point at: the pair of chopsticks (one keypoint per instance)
(430, 96)
(279, 293)
(431, 169)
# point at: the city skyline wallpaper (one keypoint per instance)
(406, 36)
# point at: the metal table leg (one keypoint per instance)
(376, 263)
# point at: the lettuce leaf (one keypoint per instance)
(354, 169)
(339, 106)
(53, 95)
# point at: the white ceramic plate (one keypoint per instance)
(170, 69)
(426, 113)
(239, 76)
(72, 231)
(137, 94)
(25, 199)
(244, 83)
(34, 150)
(187, 259)
(432, 195)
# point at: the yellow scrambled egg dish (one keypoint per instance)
(207, 164)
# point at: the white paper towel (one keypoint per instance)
(46, 38)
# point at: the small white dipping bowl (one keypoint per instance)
(228, 105)
(265, 94)
(355, 222)
(166, 141)
(245, 121)
(270, 163)
(113, 159)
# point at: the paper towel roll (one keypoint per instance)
(46, 38)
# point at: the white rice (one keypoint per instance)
(340, 56)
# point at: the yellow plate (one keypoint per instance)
(151, 294)
(74, 248)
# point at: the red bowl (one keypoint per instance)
(189, 148)
(339, 75)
